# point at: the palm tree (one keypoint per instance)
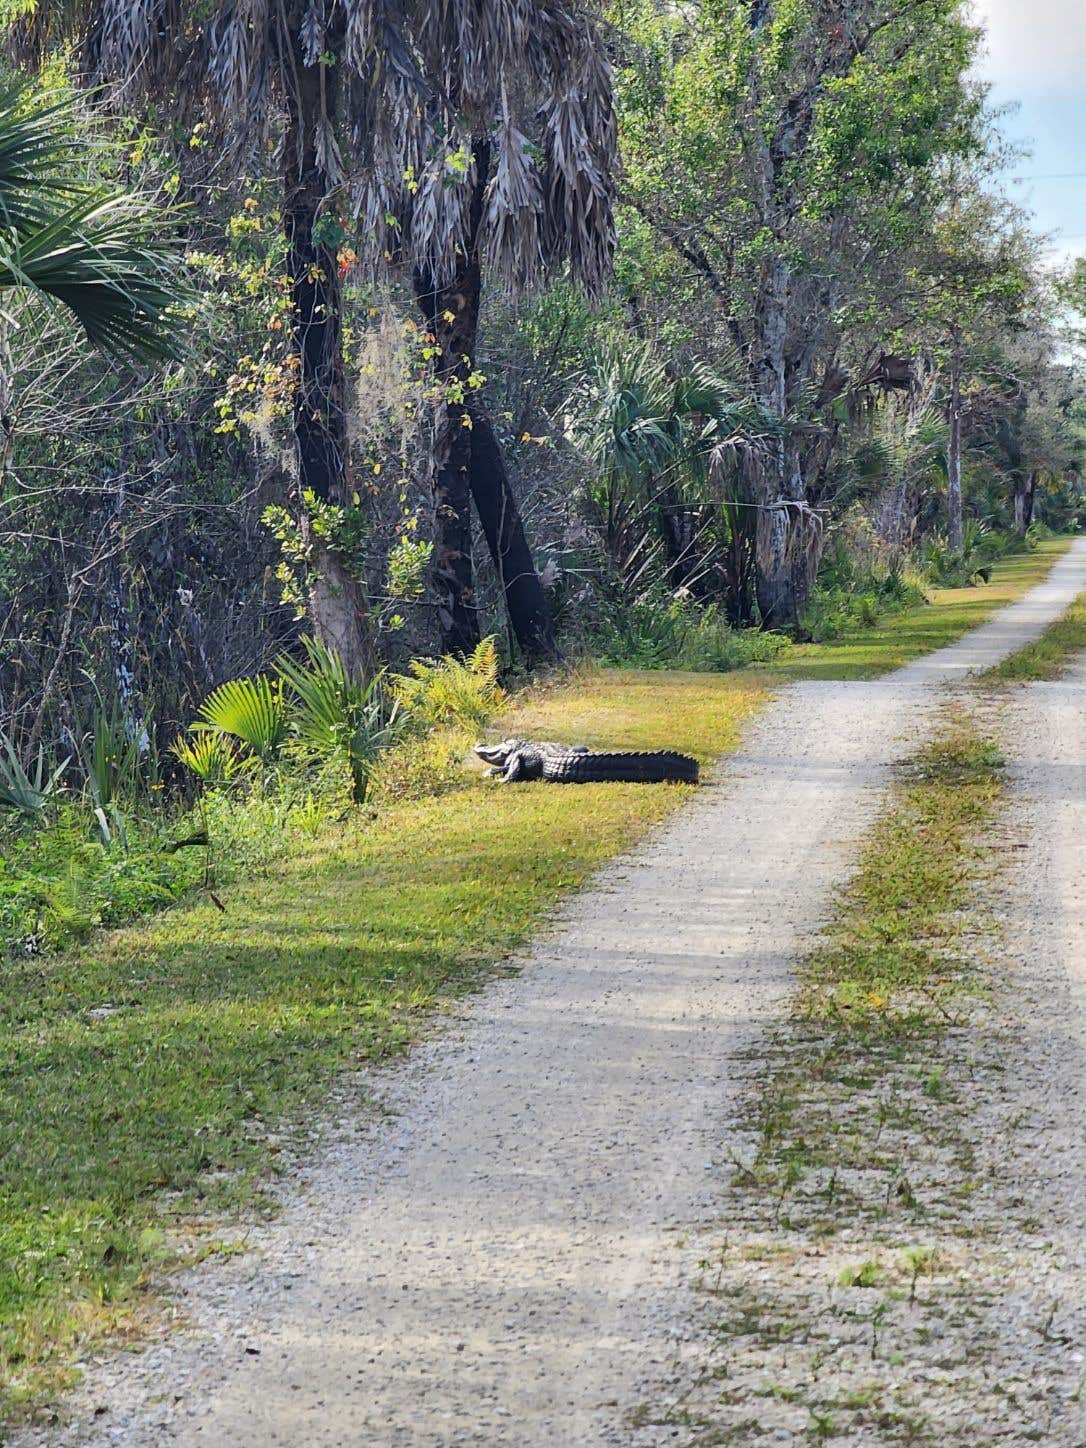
(377, 105)
(674, 460)
(82, 246)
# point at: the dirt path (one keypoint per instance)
(495, 1264)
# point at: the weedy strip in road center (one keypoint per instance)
(856, 1285)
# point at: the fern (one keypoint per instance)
(450, 692)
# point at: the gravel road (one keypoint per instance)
(495, 1262)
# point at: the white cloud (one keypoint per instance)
(1034, 44)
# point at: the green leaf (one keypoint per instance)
(250, 710)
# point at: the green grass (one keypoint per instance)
(1048, 656)
(899, 638)
(885, 957)
(150, 1079)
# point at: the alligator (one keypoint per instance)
(518, 759)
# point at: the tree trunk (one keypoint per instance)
(1031, 499)
(118, 603)
(1025, 491)
(469, 465)
(525, 598)
(788, 536)
(338, 608)
(451, 313)
(954, 449)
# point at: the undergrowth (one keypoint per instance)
(668, 633)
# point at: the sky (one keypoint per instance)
(1036, 57)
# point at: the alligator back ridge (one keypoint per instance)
(660, 766)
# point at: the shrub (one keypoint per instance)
(453, 693)
(662, 632)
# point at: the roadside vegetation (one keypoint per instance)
(863, 651)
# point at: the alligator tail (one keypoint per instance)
(662, 766)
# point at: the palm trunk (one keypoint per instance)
(954, 449)
(337, 604)
(451, 314)
(469, 466)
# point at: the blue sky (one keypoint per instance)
(1036, 56)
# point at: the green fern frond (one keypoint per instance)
(439, 693)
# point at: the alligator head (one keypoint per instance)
(498, 754)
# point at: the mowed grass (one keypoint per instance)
(1048, 656)
(900, 638)
(888, 956)
(152, 1079)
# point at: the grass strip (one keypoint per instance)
(1048, 656)
(158, 1076)
(884, 961)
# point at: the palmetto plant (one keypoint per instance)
(672, 457)
(250, 710)
(91, 250)
(213, 758)
(337, 717)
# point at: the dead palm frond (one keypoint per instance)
(407, 88)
